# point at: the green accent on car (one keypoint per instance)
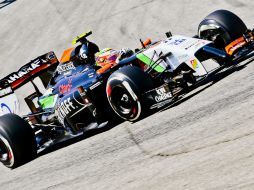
(142, 57)
(48, 102)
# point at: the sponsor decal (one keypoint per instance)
(51, 55)
(27, 71)
(65, 67)
(23, 71)
(195, 44)
(5, 108)
(190, 45)
(95, 85)
(199, 44)
(162, 94)
(90, 75)
(194, 63)
(176, 42)
(64, 88)
(64, 109)
(9, 104)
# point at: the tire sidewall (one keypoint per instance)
(227, 21)
(121, 81)
(10, 162)
(20, 137)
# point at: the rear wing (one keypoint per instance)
(35, 68)
(42, 67)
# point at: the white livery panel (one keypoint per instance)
(183, 49)
(9, 104)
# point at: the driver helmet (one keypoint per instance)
(83, 52)
(106, 56)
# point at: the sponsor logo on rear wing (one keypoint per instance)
(31, 70)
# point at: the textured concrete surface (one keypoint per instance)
(206, 142)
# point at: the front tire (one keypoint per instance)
(17, 141)
(221, 27)
(125, 88)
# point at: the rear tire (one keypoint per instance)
(17, 141)
(124, 92)
(221, 27)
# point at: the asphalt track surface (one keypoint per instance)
(205, 142)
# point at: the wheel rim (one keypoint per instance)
(131, 108)
(6, 153)
(214, 33)
(119, 90)
(122, 101)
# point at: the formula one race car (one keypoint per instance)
(74, 101)
(80, 96)
(171, 67)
